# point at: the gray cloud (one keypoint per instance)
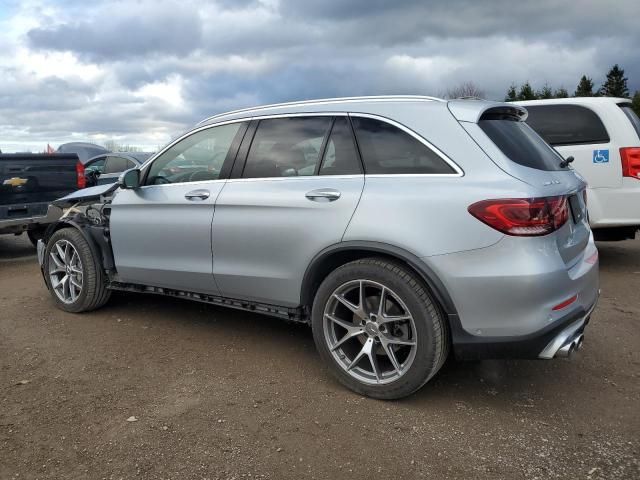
(135, 32)
(226, 54)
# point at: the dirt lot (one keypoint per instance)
(223, 394)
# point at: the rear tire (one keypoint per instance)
(405, 342)
(73, 275)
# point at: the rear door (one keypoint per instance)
(161, 232)
(295, 189)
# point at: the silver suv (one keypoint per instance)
(399, 228)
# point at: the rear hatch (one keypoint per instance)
(523, 154)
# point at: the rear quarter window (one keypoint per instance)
(388, 150)
(567, 124)
(520, 143)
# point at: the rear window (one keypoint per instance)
(388, 150)
(567, 124)
(631, 115)
(521, 144)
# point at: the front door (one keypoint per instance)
(300, 185)
(161, 232)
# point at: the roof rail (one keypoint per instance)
(325, 100)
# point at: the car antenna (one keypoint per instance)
(565, 163)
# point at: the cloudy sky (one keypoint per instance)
(139, 72)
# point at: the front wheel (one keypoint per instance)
(75, 278)
(378, 329)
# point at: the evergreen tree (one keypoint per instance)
(545, 92)
(616, 83)
(635, 103)
(512, 95)
(526, 92)
(561, 93)
(584, 88)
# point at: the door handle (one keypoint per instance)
(323, 195)
(200, 194)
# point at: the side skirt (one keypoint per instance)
(298, 315)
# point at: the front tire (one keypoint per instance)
(73, 275)
(378, 329)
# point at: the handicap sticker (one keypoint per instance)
(601, 156)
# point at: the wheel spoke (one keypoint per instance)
(364, 351)
(61, 253)
(373, 359)
(392, 356)
(383, 300)
(346, 337)
(394, 318)
(396, 341)
(343, 323)
(354, 308)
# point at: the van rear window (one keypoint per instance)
(521, 144)
(631, 115)
(567, 124)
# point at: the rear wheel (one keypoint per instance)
(75, 278)
(378, 329)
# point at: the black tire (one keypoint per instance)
(432, 335)
(35, 234)
(94, 293)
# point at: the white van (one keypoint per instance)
(602, 134)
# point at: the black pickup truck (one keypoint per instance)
(29, 183)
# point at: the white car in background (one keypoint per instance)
(602, 134)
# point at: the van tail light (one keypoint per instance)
(523, 217)
(630, 157)
(80, 178)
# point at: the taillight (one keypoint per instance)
(630, 157)
(523, 217)
(80, 178)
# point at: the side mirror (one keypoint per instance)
(130, 179)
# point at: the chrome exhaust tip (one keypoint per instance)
(566, 350)
(579, 341)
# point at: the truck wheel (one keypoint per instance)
(74, 277)
(378, 329)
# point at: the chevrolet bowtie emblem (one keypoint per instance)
(15, 181)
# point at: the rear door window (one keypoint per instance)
(567, 124)
(631, 115)
(520, 143)
(388, 150)
(286, 147)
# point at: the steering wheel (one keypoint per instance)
(160, 180)
(203, 175)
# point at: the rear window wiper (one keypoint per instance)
(565, 163)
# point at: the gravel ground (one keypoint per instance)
(150, 387)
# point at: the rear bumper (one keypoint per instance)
(11, 225)
(544, 344)
(615, 207)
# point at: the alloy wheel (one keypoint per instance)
(369, 331)
(65, 271)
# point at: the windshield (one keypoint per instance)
(521, 144)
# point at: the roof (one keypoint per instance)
(326, 104)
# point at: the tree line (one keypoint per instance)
(615, 85)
